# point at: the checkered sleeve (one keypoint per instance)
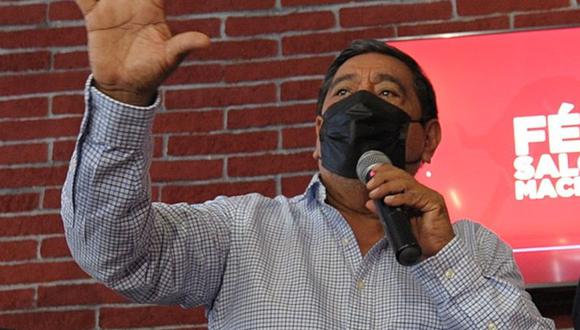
(150, 252)
(476, 283)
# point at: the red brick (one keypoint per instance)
(68, 36)
(270, 164)
(299, 137)
(289, 3)
(295, 185)
(51, 199)
(40, 273)
(199, 121)
(236, 50)
(66, 320)
(54, 247)
(266, 116)
(554, 18)
(71, 60)
(222, 143)
(193, 74)
(166, 171)
(470, 7)
(64, 104)
(188, 7)
(92, 294)
(155, 193)
(31, 225)
(252, 25)
(33, 107)
(39, 128)
(210, 26)
(220, 97)
(158, 147)
(17, 250)
(331, 41)
(16, 299)
(18, 202)
(62, 150)
(23, 153)
(202, 193)
(300, 90)
(37, 83)
(25, 61)
(394, 13)
(26, 14)
(30, 177)
(64, 10)
(492, 23)
(149, 316)
(277, 69)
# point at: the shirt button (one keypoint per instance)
(344, 241)
(360, 284)
(450, 274)
(491, 326)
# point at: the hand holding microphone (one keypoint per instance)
(392, 190)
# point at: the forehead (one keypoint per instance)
(371, 64)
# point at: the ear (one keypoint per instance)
(432, 139)
(318, 122)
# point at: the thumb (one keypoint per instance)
(181, 44)
(370, 204)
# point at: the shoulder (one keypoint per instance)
(489, 250)
(475, 233)
(253, 206)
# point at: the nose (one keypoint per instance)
(366, 86)
(366, 83)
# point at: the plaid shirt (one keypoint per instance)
(267, 263)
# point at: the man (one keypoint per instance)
(315, 261)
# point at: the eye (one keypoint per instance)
(388, 93)
(341, 92)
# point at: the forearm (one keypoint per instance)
(106, 206)
(478, 291)
(149, 252)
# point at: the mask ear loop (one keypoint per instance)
(419, 160)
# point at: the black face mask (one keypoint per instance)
(358, 123)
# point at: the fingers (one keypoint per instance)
(86, 5)
(179, 45)
(394, 186)
(398, 188)
(408, 198)
(384, 173)
(422, 200)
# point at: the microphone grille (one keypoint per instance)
(368, 160)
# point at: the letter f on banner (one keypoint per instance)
(524, 135)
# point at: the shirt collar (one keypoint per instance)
(316, 191)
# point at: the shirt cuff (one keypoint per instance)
(117, 124)
(448, 273)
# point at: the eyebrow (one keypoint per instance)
(346, 77)
(394, 80)
(382, 78)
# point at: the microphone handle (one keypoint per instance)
(399, 233)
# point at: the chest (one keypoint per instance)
(308, 281)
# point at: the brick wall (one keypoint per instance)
(248, 100)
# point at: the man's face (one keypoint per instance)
(390, 79)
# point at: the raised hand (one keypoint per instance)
(131, 48)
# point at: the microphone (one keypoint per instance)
(396, 220)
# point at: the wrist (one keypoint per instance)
(140, 99)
